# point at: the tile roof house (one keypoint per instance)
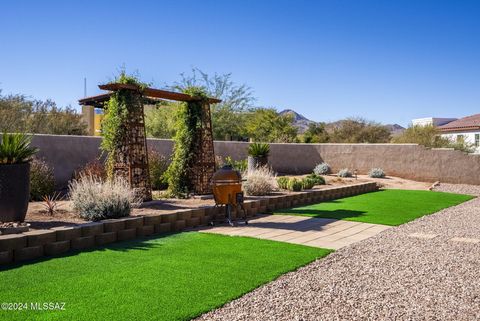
(466, 123)
(466, 128)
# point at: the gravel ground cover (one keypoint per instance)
(392, 276)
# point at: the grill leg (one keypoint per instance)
(228, 208)
(244, 212)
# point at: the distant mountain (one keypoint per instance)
(395, 129)
(299, 121)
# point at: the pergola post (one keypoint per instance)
(131, 156)
(203, 164)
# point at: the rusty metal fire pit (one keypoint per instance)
(227, 191)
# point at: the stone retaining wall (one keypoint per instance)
(38, 243)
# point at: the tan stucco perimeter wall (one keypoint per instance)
(67, 153)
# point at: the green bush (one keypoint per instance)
(308, 183)
(282, 182)
(259, 150)
(157, 165)
(42, 180)
(319, 180)
(294, 185)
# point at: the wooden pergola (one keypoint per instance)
(131, 160)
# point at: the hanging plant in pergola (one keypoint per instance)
(124, 140)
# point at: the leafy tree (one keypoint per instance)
(228, 117)
(266, 125)
(358, 130)
(429, 136)
(14, 110)
(316, 133)
(19, 114)
(160, 121)
(47, 118)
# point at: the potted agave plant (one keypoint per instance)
(15, 156)
(258, 155)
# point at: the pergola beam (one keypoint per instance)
(150, 95)
(156, 93)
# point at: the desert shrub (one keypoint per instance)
(157, 165)
(260, 181)
(282, 182)
(95, 199)
(345, 172)
(295, 185)
(376, 173)
(322, 169)
(308, 183)
(319, 180)
(42, 180)
(92, 169)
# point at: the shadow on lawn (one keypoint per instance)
(142, 244)
(334, 214)
(317, 220)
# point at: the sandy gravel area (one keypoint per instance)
(428, 269)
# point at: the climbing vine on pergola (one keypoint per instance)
(193, 162)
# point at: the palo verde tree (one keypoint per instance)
(228, 116)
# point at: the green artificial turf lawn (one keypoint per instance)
(388, 207)
(176, 277)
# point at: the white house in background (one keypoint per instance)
(466, 128)
(432, 121)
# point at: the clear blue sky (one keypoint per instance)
(389, 61)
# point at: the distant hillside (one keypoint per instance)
(395, 129)
(299, 121)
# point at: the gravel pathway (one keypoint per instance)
(392, 276)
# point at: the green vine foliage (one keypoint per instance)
(116, 116)
(189, 121)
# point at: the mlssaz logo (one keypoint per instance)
(45, 306)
